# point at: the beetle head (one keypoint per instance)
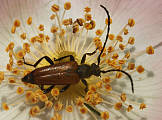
(95, 69)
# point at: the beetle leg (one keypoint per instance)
(86, 84)
(71, 58)
(45, 91)
(35, 65)
(84, 56)
(64, 88)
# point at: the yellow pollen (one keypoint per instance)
(9, 67)
(111, 36)
(17, 23)
(69, 108)
(150, 50)
(1, 75)
(20, 62)
(130, 107)
(55, 92)
(115, 56)
(20, 54)
(29, 21)
(142, 106)
(110, 49)
(88, 17)
(48, 104)
(87, 9)
(118, 106)
(105, 115)
(11, 80)
(121, 46)
(80, 21)
(15, 71)
(56, 117)
(123, 97)
(67, 6)
(47, 38)
(121, 62)
(88, 26)
(20, 90)
(119, 38)
(23, 36)
(5, 107)
(62, 33)
(29, 94)
(93, 23)
(119, 74)
(41, 27)
(99, 84)
(92, 88)
(140, 69)
(83, 110)
(131, 66)
(54, 29)
(126, 31)
(108, 87)
(34, 111)
(127, 55)
(26, 47)
(11, 45)
(79, 101)
(131, 40)
(52, 17)
(131, 22)
(55, 8)
(58, 106)
(66, 22)
(43, 97)
(99, 32)
(106, 79)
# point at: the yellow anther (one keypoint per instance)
(131, 40)
(48, 104)
(79, 101)
(123, 97)
(20, 62)
(20, 90)
(29, 20)
(119, 38)
(1, 75)
(96, 39)
(121, 62)
(5, 107)
(26, 47)
(11, 61)
(106, 21)
(67, 5)
(54, 29)
(29, 94)
(115, 56)
(55, 8)
(87, 9)
(131, 22)
(140, 69)
(11, 45)
(43, 97)
(62, 32)
(55, 92)
(80, 21)
(38, 92)
(105, 115)
(34, 110)
(58, 106)
(142, 106)
(118, 106)
(15, 71)
(121, 46)
(108, 87)
(127, 55)
(17, 23)
(20, 54)
(41, 27)
(110, 49)
(131, 66)
(47, 38)
(34, 100)
(99, 84)
(33, 40)
(83, 110)
(92, 88)
(93, 23)
(126, 31)
(13, 29)
(106, 79)
(9, 67)
(56, 117)
(118, 74)
(88, 17)
(130, 107)
(150, 50)
(26, 72)
(52, 17)
(10, 54)
(111, 36)
(69, 108)
(11, 80)
(99, 32)
(88, 26)
(23, 36)
(66, 22)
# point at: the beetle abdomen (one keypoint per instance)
(58, 74)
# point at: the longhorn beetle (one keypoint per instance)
(68, 73)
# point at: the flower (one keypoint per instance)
(33, 29)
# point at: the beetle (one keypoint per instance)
(68, 73)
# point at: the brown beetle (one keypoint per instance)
(68, 73)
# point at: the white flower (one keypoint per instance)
(24, 26)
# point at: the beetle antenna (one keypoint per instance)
(108, 29)
(131, 80)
